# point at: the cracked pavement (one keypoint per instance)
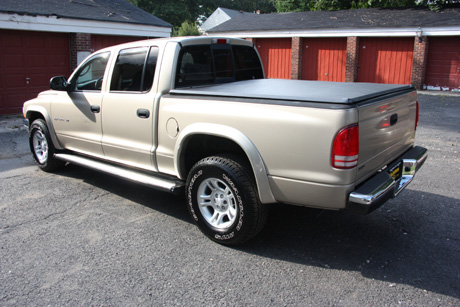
(77, 237)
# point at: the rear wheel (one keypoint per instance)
(223, 201)
(42, 147)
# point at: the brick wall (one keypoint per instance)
(351, 73)
(419, 62)
(79, 42)
(296, 59)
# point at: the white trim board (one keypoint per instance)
(376, 32)
(69, 25)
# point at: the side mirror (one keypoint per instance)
(59, 84)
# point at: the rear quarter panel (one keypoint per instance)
(294, 142)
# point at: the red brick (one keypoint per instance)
(419, 62)
(351, 73)
(296, 58)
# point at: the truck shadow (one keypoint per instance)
(166, 203)
(413, 240)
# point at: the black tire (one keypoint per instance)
(42, 147)
(230, 211)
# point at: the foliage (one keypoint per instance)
(177, 11)
(187, 28)
(323, 5)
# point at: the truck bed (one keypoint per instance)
(296, 90)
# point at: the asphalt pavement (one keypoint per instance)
(77, 237)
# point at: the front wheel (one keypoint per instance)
(223, 201)
(42, 147)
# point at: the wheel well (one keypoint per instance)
(31, 116)
(201, 146)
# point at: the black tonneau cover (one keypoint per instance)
(296, 90)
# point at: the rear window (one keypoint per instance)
(209, 64)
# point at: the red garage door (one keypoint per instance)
(324, 59)
(27, 62)
(386, 60)
(443, 65)
(276, 56)
(102, 41)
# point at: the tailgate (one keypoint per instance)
(386, 130)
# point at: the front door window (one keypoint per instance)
(90, 76)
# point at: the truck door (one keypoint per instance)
(127, 109)
(76, 114)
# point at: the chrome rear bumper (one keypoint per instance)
(378, 189)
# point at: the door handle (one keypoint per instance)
(143, 113)
(95, 109)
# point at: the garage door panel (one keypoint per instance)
(59, 61)
(275, 54)
(14, 100)
(58, 43)
(37, 78)
(37, 42)
(324, 59)
(2, 102)
(435, 67)
(15, 81)
(14, 60)
(12, 41)
(29, 59)
(450, 69)
(443, 63)
(37, 61)
(385, 60)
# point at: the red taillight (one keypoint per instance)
(220, 41)
(416, 116)
(346, 148)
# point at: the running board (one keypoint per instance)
(170, 185)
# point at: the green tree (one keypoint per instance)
(264, 6)
(323, 5)
(283, 6)
(187, 28)
(177, 11)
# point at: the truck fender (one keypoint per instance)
(257, 164)
(46, 116)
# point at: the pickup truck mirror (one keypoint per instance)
(59, 84)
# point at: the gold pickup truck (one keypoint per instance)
(196, 115)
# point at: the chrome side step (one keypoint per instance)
(170, 185)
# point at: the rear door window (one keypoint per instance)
(134, 70)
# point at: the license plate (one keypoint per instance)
(396, 171)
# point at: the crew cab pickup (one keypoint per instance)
(197, 115)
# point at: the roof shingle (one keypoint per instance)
(100, 10)
(345, 19)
